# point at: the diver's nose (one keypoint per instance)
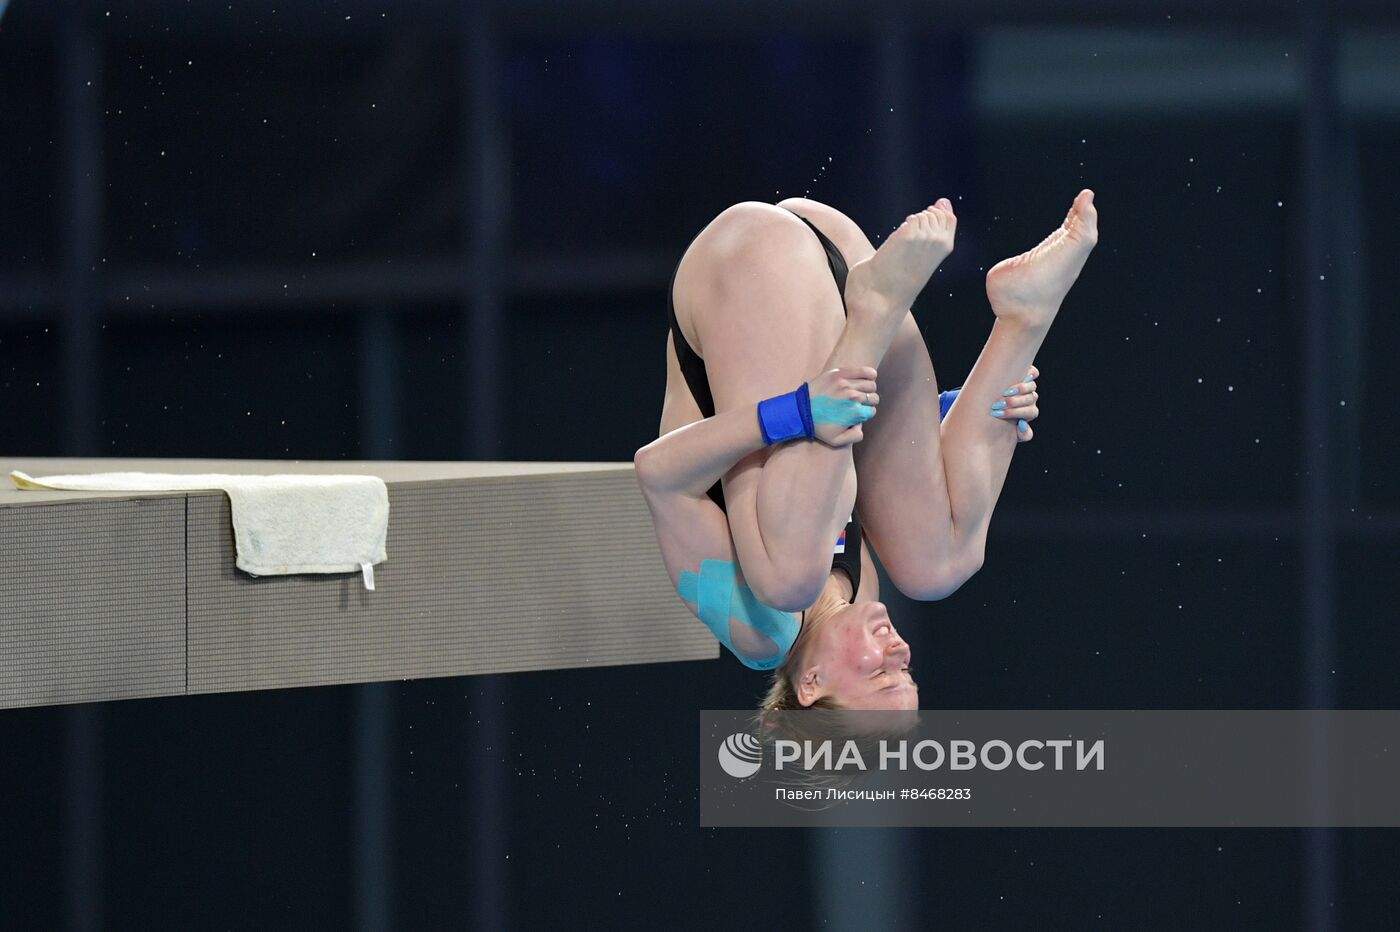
(894, 633)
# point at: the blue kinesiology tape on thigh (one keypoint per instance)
(843, 411)
(719, 596)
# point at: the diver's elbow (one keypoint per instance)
(643, 467)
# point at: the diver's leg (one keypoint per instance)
(902, 494)
(926, 495)
(760, 300)
(768, 316)
(927, 514)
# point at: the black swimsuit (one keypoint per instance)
(846, 553)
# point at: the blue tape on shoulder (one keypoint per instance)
(778, 626)
(717, 580)
(719, 597)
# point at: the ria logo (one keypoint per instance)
(740, 755)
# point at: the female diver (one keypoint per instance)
(746, 509)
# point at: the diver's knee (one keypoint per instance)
(968, 568)
(933, 585)
(788, 590)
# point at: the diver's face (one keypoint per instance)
(860, 661)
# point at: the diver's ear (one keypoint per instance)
(809, 687)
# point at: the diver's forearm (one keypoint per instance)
(692, 458)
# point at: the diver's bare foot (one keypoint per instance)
(887, 283)
(1030, 287)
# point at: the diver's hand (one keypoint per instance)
(842, 399)
(1020, 405)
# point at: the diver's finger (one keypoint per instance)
(1021, 401)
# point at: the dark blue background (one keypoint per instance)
(1146, 552)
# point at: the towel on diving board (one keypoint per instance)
(281, 524)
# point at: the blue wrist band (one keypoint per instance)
(786, 417)
(945, 401)
(804, 410)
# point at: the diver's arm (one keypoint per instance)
(829, 408)
(691, 459)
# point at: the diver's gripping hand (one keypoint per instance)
(842, 400)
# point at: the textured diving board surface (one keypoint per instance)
(493, 568)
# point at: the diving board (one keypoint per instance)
(493, 567)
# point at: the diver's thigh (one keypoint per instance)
(767, 313)
(903, 492)
(763, 304)
(902, 488)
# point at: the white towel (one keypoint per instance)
(281, 524)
